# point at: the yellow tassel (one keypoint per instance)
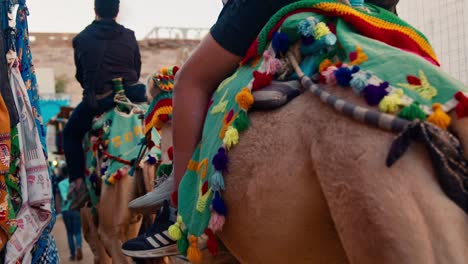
(231, 138)
(439, 117)
(111, 180)
(245, 99)
(324, 65)
(193, 253)
(361, 56)
(321, 30)
(391, 103)
(175, 230)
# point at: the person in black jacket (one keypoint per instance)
(104, 50)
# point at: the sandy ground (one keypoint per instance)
(62, 245)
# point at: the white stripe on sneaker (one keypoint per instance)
(152, 242)
(161, 239)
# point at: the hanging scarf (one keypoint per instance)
(36, 212)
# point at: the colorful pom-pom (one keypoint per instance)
(357, 57)
(344, 75)
(212, 243)
(272, 64)
(175, 230)
(261, 80)
(359, 81)
(170, 153)
(111, 180)
(412, 112)
(216, 222)
(220, 160)
(242, 122)
(245, 99)
(151, 160)
(462, 106)
(374, 94)
(193, 252)
(392, 102)
(218, 204)
(231, 138)
(217, 181)
(439, 117)
(325, 64)
(280, 42)
(329, 75)
(183, 243)
(321, 30)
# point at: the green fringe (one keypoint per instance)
(412, 112)
(242, 122)
(183, 244)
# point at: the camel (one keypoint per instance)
(310, 185)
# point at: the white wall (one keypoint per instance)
(445, 24)
(46, 80)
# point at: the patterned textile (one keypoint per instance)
(36, 212)
(338, 45)
(5, 147)
(29, 78)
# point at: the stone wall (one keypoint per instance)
(51, 50)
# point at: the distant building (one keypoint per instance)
(445, 24)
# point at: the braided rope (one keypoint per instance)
(362, 114)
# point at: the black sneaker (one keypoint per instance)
(156, 242)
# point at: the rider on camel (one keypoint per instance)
(104, 50)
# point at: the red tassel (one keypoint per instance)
(462, 107)
(118, 175)
(170, 153)
(251, 53)
(261, 80)
(175, 198)
(175, 70)
(212, 243)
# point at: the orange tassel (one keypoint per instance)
(245, 99)
(439, 117)
(193, 253)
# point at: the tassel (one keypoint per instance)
(306, 28)
(193, 253)
(175, 69)
(217, 181)
(216, 222)
(245, 99)
(118, 175)
(374, 94)
(462, 107)
(218, 204)
(261, 80)
(359, 81)
(280, 42)
(93, 178)
(170, 153)
(321, 30)
(220, 160)
(242, 122)
(439, 117)
(391, 103)
(104, 170)
(412, 112)
(111, 180)
(325, 64)
(212, 243)
(182, 243)
(175, 230)
(272, 64)
(344, 75)
(231, 138)
(329, 75)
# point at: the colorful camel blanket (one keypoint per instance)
(120, 141)
(378, 55)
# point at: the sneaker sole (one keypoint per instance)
(153, 253)
(143, 202)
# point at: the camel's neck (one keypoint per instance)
(166, 142)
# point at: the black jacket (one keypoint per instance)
(121, 57)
